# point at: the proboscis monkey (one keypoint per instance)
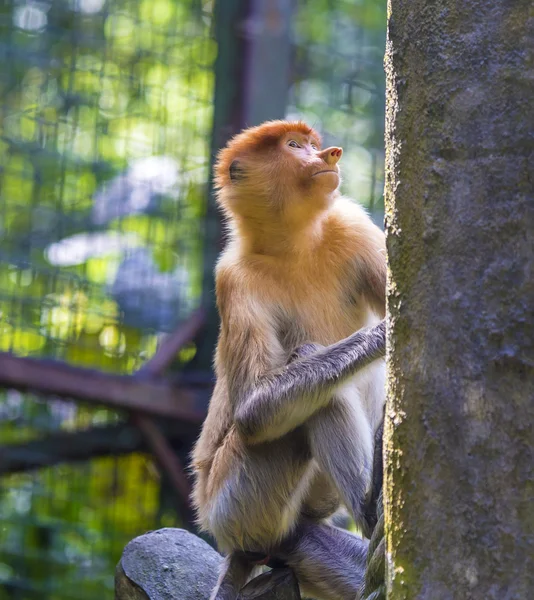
(300, 372)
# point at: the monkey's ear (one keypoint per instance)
(236, 172)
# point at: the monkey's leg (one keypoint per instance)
(233, 575)
(340, 440)
(322, 498)
(340, 443)
(329, 563)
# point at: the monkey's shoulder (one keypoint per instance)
(244, 289)
(235, 274)
(350, 233)
(352, 220)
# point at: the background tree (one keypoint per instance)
(459, 218)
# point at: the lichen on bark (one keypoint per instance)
(459, 435)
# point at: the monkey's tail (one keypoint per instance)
(374, 586)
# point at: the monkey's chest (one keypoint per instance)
(322, 316)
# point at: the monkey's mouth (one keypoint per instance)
(326, 171)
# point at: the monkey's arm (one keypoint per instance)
(375, 290)
(282, 400)
(371, 274)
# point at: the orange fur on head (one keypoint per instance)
(255, 140)
(276, 175)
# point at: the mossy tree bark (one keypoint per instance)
(459, 439)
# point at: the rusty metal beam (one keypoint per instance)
(156, 397)
(144, 395)
(163, 452)
(100, 440)
(173, 343)
(168, 461)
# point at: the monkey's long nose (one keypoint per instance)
(331, 155)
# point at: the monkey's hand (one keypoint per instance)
(283, 400)
(304, 351)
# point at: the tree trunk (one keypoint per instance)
(459, 439)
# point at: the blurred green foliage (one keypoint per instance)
(104, 145)
(339, 87)
(89, 88)
(105, 128)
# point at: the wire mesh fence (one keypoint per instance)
(339, 87)
(106, 110)
(67, 525)
(104, 155)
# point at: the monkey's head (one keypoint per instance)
(277, 167)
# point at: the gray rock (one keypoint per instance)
(173, 564)
(168, 564)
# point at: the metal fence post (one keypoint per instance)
(252, 78)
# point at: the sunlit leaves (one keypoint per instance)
(101, 270)
(88, 516)
(79, 188)
(17, 181)
(112, 340)
(160, 12)
(120, 30)
(63, 317)
(187, 353)
(25, 342)
(6, 336)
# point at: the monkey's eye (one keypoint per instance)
(314, 146)
(293, 144)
